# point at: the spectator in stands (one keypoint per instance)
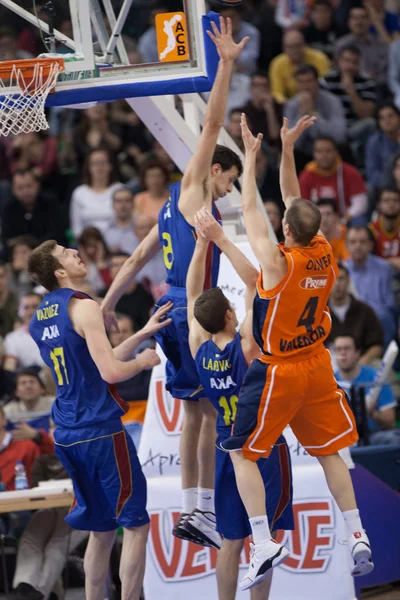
(161, 154)
(283, 68)
(91, 202)
(356, 91)
(30, 395)
(18, 278)
(35, 151)
(120, 235)
(267, 176)
(30, 39)
(382, 145)
(332, 228)
(30, 211)
(327, 176)
(247, 61)
(154, 180)
(322, 32)
(311, 100)
(94, 253)
(384, 24)
(394, 71)
(30, 411)
(382, 414)
(147, 44)
(46, 541)
(20, 349)
(392, 178)
(353, 317)
(8, 303)
(275, 216)
(12, 451)
(386, 228)
(135, 302)
(271, 33)
(96, 131)
(134, 390)
(262, 111)
(153, 274)
(292, 16)
(373, 51)
(9, 46)
(233, 127)
(372, 277)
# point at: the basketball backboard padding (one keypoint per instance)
(112, 86)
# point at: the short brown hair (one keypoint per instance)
(210, 310)
(42, 266)
(304, 220)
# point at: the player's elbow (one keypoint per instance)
(212, 125)
(110, 374)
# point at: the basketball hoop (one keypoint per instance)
(24, 87)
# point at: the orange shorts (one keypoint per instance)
(304, 394)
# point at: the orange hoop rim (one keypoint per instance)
(27, 66)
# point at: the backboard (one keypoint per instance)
(101, 61)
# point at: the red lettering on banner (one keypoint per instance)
(196, 563)
(310, 544)
(168, 564)
(306, 542)
(171, 416)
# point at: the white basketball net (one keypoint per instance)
(22, 102)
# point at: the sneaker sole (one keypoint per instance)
(183, 534)
(362, 563)
(202, 538)
(266, 567)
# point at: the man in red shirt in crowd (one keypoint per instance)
(386, 229)
(25, 451)
(327, 176)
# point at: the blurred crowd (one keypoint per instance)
(97, 180)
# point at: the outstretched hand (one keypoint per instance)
(290, 136)
(252, 144)
(158, 321)
(207, 227)
(223, 39)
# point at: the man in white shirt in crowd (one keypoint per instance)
(120, 235)
(20, 350)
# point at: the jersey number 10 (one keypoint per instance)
(58, 358)
(229, 405)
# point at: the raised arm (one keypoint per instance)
(198, 169)
(256, 226)
(209, 228)
(156, 322)
(140, 257)
(87, 320)
(289, 182)
(194, 289)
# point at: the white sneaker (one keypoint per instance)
(360, 550)
(202, 526)
(263, 558)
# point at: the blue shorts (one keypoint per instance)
(276, 471)
(182, 379)
(109, 486)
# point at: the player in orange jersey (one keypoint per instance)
(292, 382)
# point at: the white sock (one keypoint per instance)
(205, 500)
(353, 521)
(189, 500)
(260, 529)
